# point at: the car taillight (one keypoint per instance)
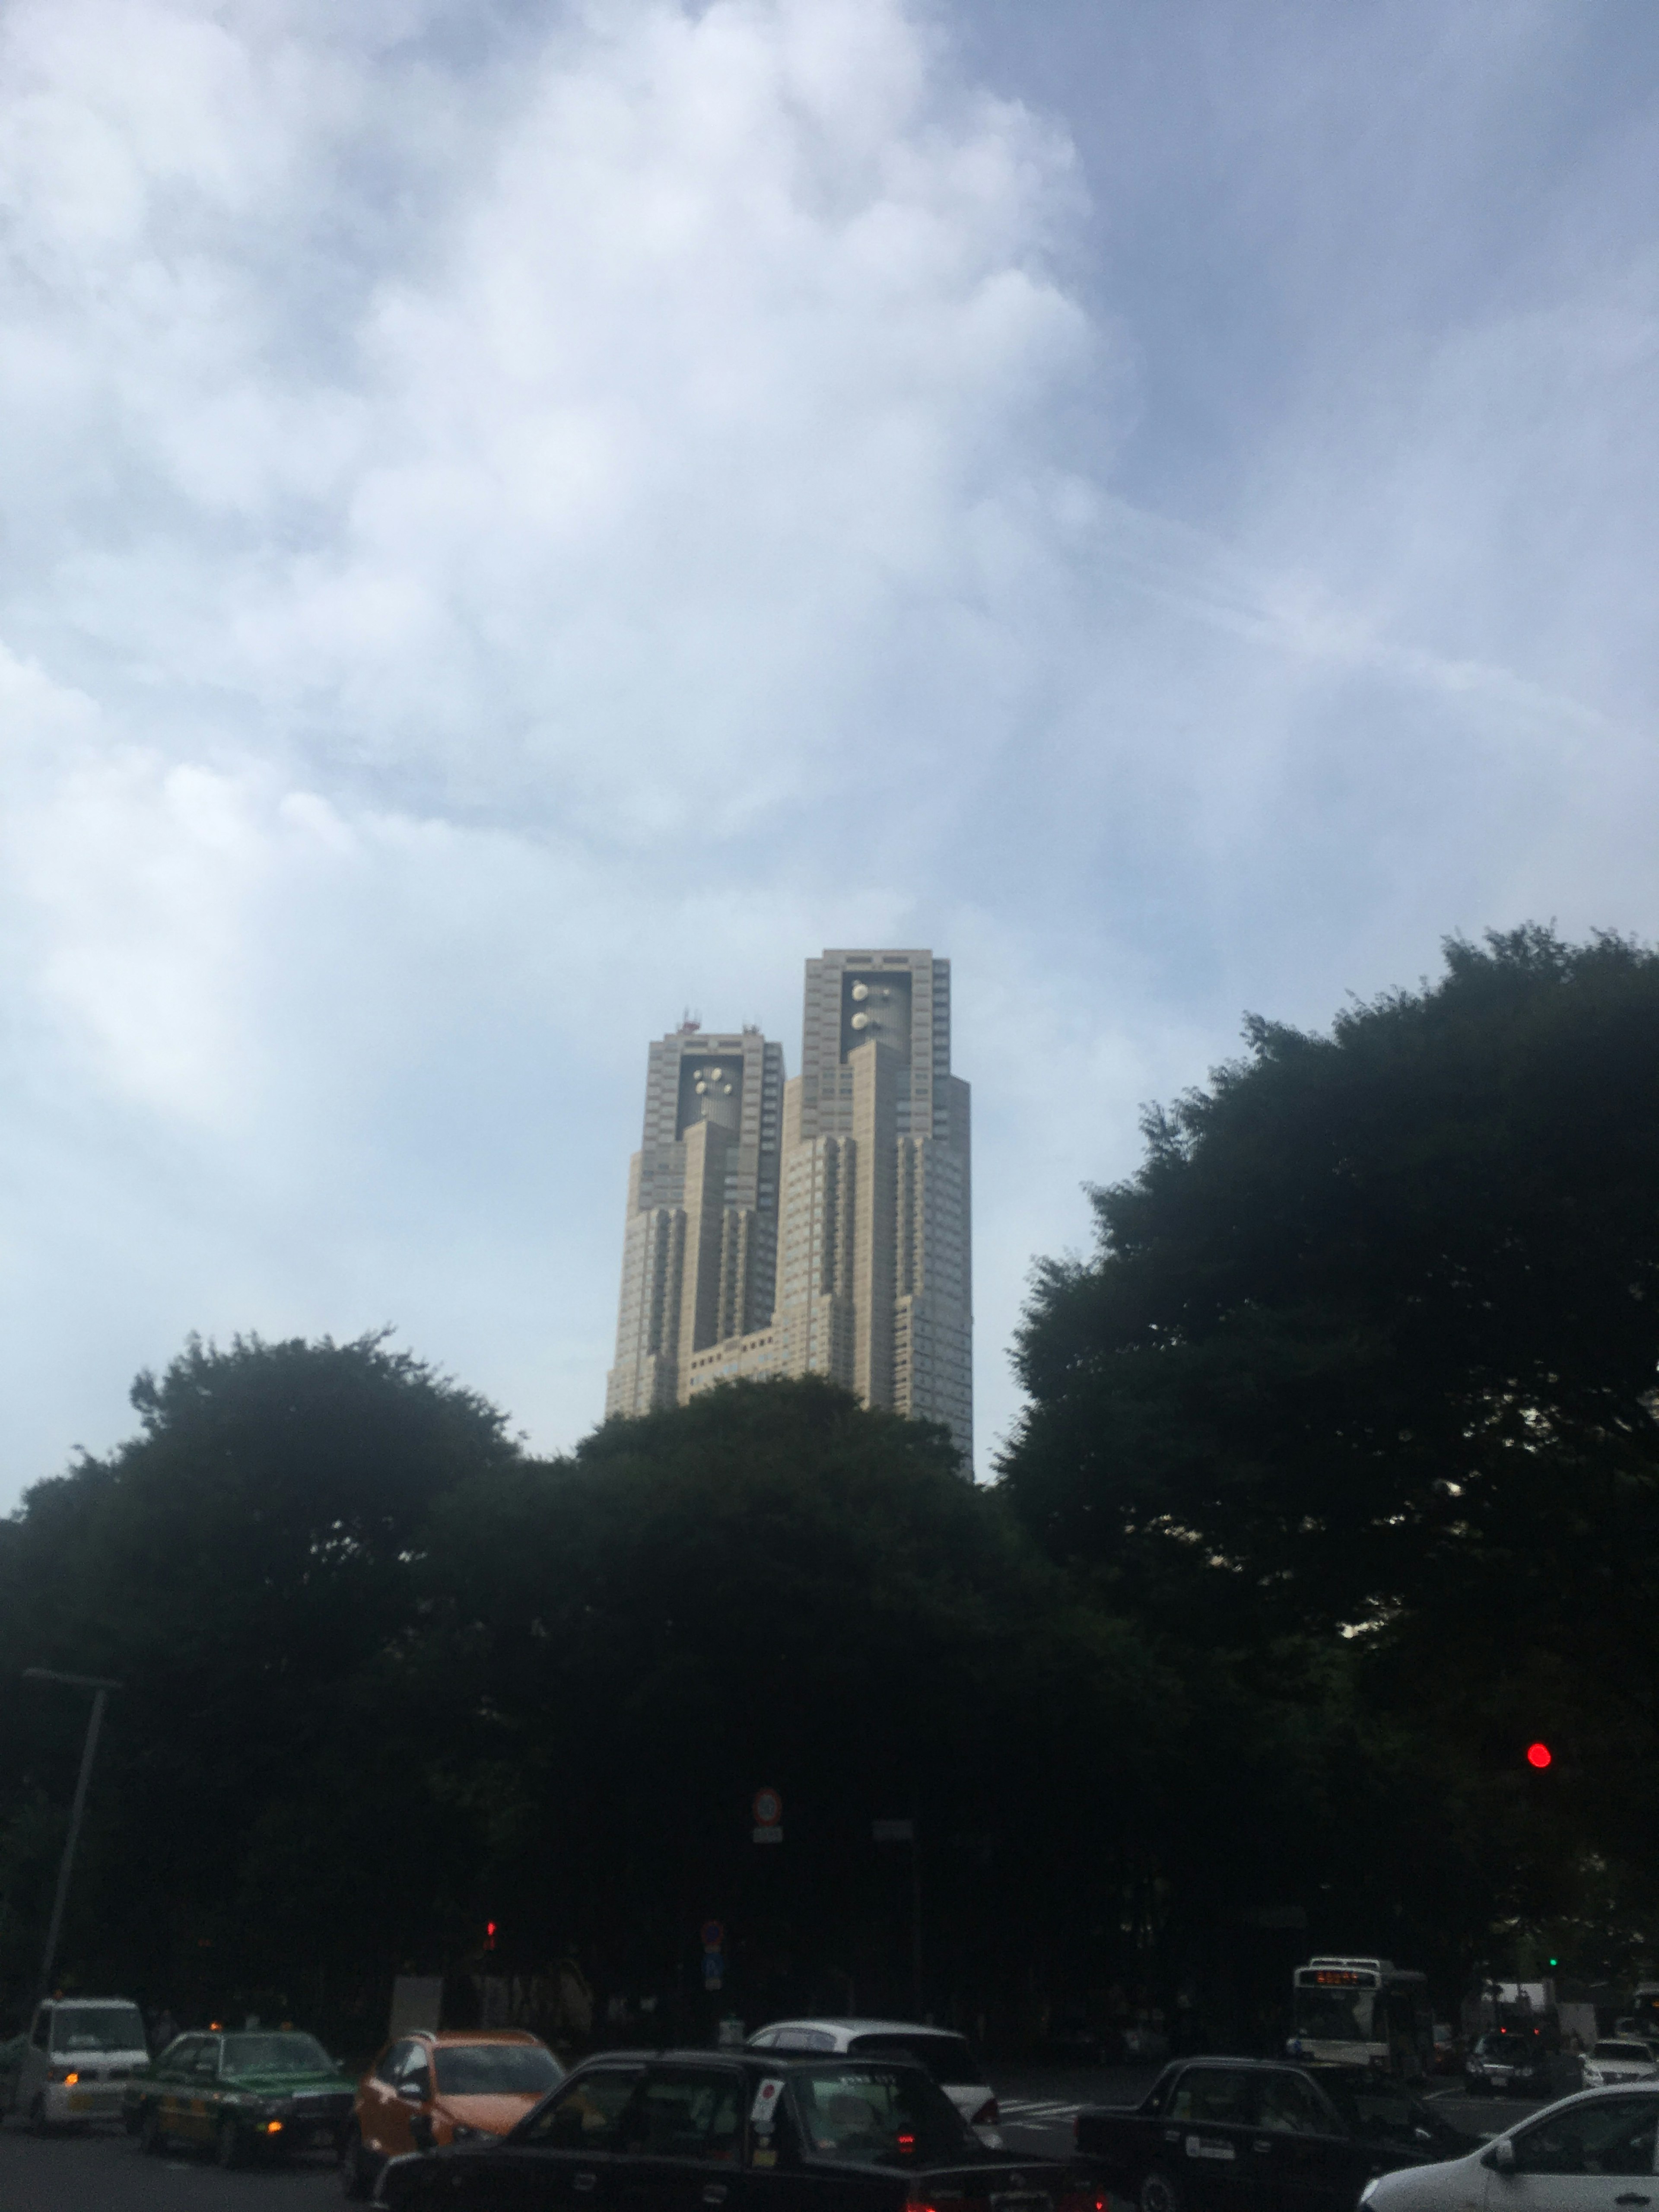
(1083, 2200)
(919, 2204)
(907, 2143)
(988, 2115)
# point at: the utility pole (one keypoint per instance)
(100, 1690)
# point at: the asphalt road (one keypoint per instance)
(105, 2170)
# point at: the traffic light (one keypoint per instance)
(1539, 1755)
(489, 1934)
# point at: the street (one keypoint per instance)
(106, 2170)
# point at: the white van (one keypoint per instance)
(77, 2063)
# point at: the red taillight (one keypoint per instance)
(1084, 2200)
(907, 2142)
(988, 2115)
(919, 2204)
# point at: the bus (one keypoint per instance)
(1363, 2012)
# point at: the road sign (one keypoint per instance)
(714, 1970)
(713, 1936)
(768, 1835)
(893, 1831)
(767, 1808)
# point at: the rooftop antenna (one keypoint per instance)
(689, 1023)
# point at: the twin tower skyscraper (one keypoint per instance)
(817, 1225)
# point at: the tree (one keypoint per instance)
(1378, 1306)
(235, 1565)
(1369, 1342)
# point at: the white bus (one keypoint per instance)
(1363, 2012)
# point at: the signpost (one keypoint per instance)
(904, 1832)
(713, 1955)
(768, 1809)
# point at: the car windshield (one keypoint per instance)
(871, 2115)
(1639, 2051)
(494, 2070)
(275, 2054)
(948, 2059)
(97, 2027)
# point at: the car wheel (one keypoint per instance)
(1162, 2193)
(355, 2179)
(228, 2146)
(151, 2133)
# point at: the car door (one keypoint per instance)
(1204, 2135)
(173, 2073)
(1302, 2159)
(681, 2141)
(560, 2160)
(1581, 2158)
(194, 2094)
(384, 2125)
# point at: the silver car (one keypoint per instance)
(949, 2057)
(1590, 2153)
(1617, 2060)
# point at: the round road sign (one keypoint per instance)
(713, 1936)
(768, 1809)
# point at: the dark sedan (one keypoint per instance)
(749, 2131)
(1241, 2134)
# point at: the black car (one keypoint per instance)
(743, 2132)
(1242, 2134)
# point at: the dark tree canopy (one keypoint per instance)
(1378, 1317)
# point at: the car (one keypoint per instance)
(442, 2086)
(78, 2056)
(948, 2056)
(1588, 2153)
(1618, 2059)
(268, 2091)
(743, 2129)
(1515, 2061)
(1449, 2054)
(1251, 2133)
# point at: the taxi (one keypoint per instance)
(443, 2086)
(271, 2091)
(738, 2131)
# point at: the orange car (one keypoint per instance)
(441, 2086)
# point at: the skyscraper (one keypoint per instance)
(865, 1273)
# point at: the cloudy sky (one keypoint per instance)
(516, 520)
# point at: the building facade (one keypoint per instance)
(848, 1251)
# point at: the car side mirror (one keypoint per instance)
(416, 2092)
(1501, 2156)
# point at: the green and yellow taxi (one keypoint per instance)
(269, 2091)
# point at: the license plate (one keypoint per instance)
(84, 2101)
(1197, 2148)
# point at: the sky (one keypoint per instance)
(520, 522)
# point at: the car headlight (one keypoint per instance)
(1370, 2190)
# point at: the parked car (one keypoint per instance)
(442, 2086)
(949, 2057)
(752, 2130)
(270, 2092)
(1586, 2154)
(1619, 2059)
(78, 2056)
(1450, 2052)
(1246, 2133)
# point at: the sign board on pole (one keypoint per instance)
(893, 1831)
(767, 1808)
(714, 1970)
(416, 2002)
(713, 1936)
(768, 1835)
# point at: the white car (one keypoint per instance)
(75, 2065)
(949, 2057)
(1590, 2153)
(1614, 2061)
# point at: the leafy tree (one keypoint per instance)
(1368, 1343)
(233, 1564)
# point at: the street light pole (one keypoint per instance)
(100, 1690)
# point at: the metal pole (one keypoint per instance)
(915, 1919)
(100, 1697)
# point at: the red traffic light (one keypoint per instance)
(1538, 1754)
